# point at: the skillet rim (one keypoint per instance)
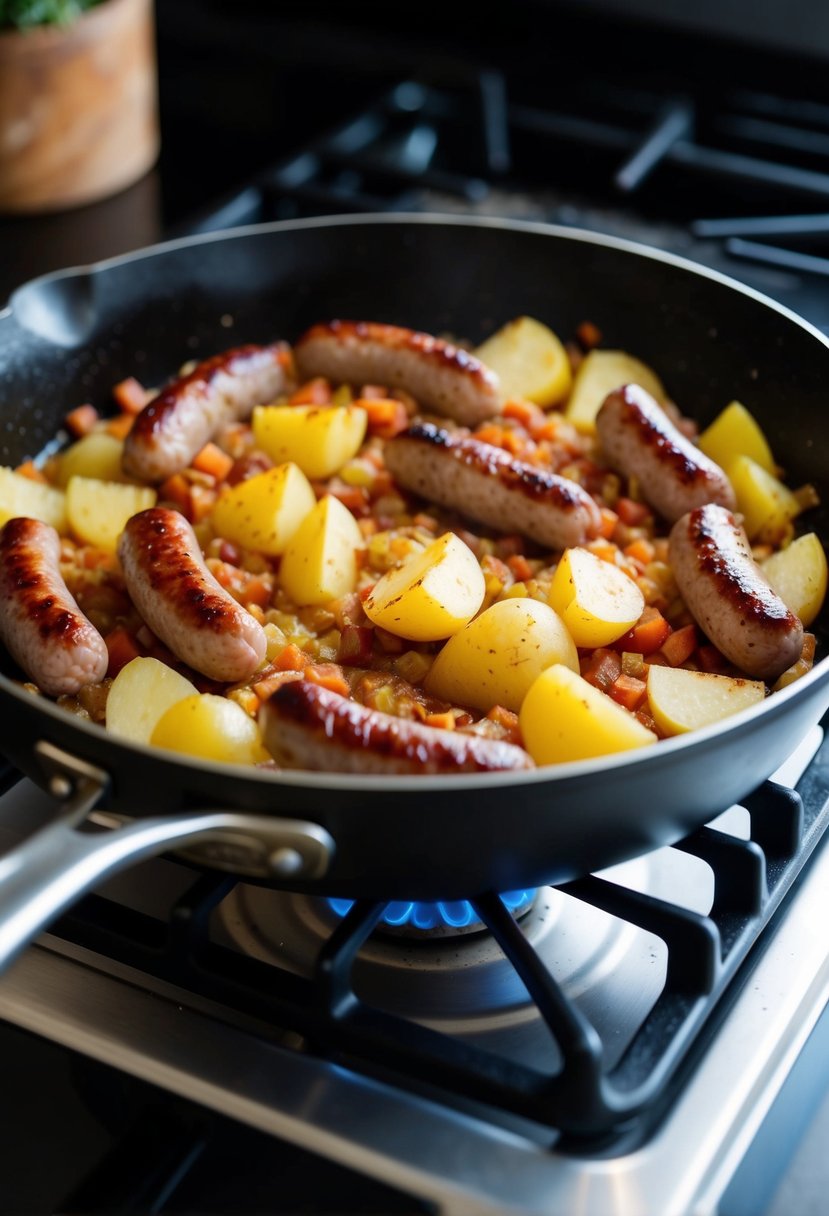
(375, 783)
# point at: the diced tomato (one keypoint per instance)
(632, 513)
(520, 567)
(601, 668)
(356, 643)
(122, 649)
(315, 392)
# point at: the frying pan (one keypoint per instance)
(68, 337)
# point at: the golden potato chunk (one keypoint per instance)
(798, 574)
(599, 373)
(688, 700)
(495, 658)
(140, 694)
(565, 718)
(97, 455)
(735, 432)
(319, 439)
(597, 601)
(32, 499)
(432, 595)
(264, 512)
(768, 507)
(98, 510)
(529, 360)
(211, 727)
(320, 562)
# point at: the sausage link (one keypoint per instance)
(488, 485)
(182, 602)
(638, 439)
(307, 726)
(442, 377)
(176, 424)
(41, 625)
(728, 595)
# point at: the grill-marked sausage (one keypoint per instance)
(41, 625)
(440, 376)
(176, 424)
(728, 595)
(638, 439)
(485, 483)
(307, 726)
(182, 602)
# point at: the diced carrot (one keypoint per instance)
(640, 550)
(353, 497)
(444, 721)
(628, 691)
(387, 416)
(328, 675)
(176, 489)
(315, 392)
(711, 659)
(122, 649)
(529, 415)
(601, 668)
(120, 426)
(81, 420)
(130, 395)
(631, 512)
(505, 719)
(31, 472)
(681, 644)
(647, 635)
(291, 658)
(373, 392)
(609, 522)
(605, 550)
(211, 459)
(258, 590)
(588, 334)
(520, 567)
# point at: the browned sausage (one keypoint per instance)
(440, 376)
(182, 602)
(307, 726)
(176, 424)
(41, 625)
(487, 484)
(728, 595)
(638, 439)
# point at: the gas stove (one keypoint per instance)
(624, 1044)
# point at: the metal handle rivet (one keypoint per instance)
(285, 862)
(60, 786)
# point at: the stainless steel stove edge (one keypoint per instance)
(461, 1164)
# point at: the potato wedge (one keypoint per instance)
(768, 507)
(264, 512)
(432, 595)
(530, 362)
(565, 718)
(683, 700)
(597, 601)
(211, 727)
(735, 433)
(98, 510)
(96, 455)
(798, 574)
(320, 562)
(319, 439)
(495, 658)
(140, 695)
(33, 499)
(600, 372)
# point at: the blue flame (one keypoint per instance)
(457, 914)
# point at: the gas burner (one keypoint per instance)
(447, 918)
(462, 984)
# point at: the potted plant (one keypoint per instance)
(77, 100)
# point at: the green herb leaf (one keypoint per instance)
(23, 14)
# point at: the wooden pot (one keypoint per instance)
(78, 108)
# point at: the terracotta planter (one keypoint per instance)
(78, 116)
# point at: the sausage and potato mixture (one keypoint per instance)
(377, 551)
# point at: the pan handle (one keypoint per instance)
(59, 863)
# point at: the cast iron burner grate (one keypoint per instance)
(594, 1109)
